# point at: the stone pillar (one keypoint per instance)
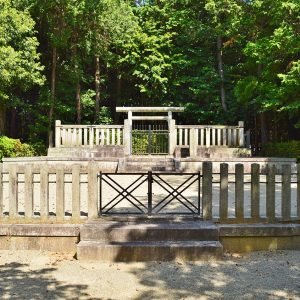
(172, 136)
(193, 142)
(127, 137)
(57, 133)
(241, 134)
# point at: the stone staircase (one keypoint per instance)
(147, 163)
(143, 240)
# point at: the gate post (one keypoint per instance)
(172, 136)
(127, 137)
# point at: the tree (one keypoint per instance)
(20, 67)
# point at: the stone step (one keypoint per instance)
(149, 251)
(148, 231)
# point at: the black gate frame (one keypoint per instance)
(150, 177)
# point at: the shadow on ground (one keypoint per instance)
(244, 278)
(18, 281)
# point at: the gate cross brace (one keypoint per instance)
(175, 192)
(125, 192)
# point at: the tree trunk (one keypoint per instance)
(97, 88)
(2, 119)
(52, 96)
(221, 72)
(263, 128)
(78, 103)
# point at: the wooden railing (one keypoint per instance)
(87, 135)
(208, 136)
(71, 193)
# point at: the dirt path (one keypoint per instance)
(40, 275)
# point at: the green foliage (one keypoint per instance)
(283, 149)
(14, 148)
(20, 67)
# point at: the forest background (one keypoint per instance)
(223, 60)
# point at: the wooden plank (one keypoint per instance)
(79, 137)
(213, 137)
(229, 133)
(207, 191)
(186, 136)
(76, 192)
(223, 192)
(118, 136)
(92, 191)
(239, 192)
(85, 136)
(234, 138)
(108, 137)
(57, 133)
(286, 192)
(28, 190)
(1, 190)
(97, 137)
(270, 193)
(255, 191)
(60, 193)
(13, 191)
(202, 136)
(91, 136)
(180, 137)
(44, 192)
(207, 144)
(64, 137)
(102, 138)
(219, 137)
(224, 137)
(113, 136)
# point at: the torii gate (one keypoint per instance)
(170, 121)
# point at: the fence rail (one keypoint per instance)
(70, 193)
(87, 135)
(207, 136)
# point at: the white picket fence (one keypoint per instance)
(208, 136)
(88, 135)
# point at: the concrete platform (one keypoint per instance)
(148, 241)
(149, 251)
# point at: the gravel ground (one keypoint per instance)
(44, 275)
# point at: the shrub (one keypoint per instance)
(14, 148)
(283, 149)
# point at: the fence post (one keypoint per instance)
(193, 142)
(28, 189)
(286, 192)
(127, 137)
(1, 191)
(76, 192)
(13, 191)
(57, 133)
(44, 195)
(239, 192)
(255, 190)
(298, 191)
(207, 190)
(92, 191)
(172, 136)
(223, 192)
(241, 134)
(60, 193)
(270, 193)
